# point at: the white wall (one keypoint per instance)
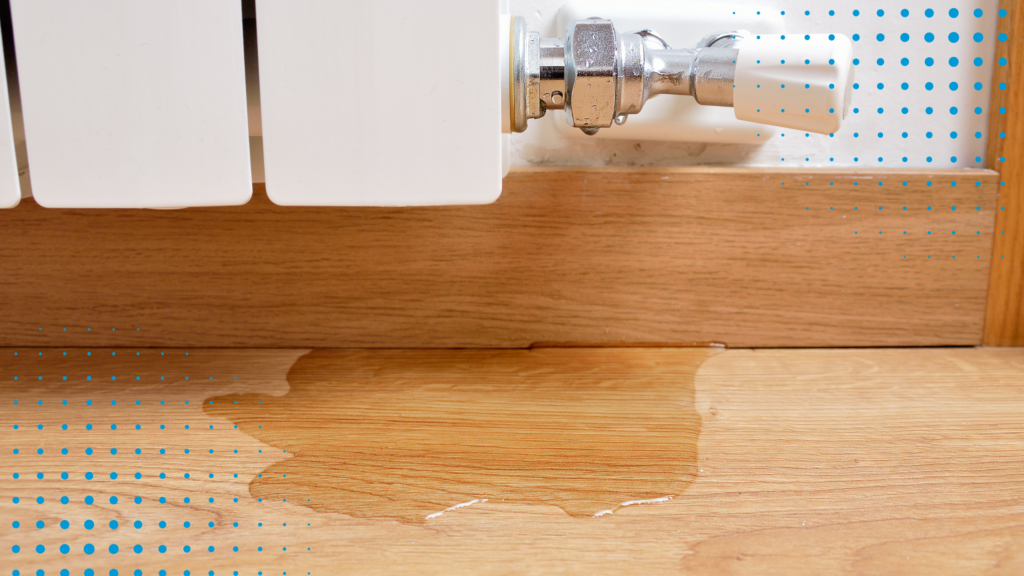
(858, 143)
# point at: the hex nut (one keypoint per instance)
(590, 70)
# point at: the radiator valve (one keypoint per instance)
(600, 76)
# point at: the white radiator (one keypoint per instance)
(161, 103)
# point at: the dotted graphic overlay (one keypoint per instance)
(110, 467)
(922, 81)
(908, 223)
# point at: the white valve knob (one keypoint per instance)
(801, 81)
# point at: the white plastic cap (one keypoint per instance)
(801, 81)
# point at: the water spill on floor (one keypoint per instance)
(417, 435)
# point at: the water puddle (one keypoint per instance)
(417, 435)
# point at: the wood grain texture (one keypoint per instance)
(1004, 320)
(808, 462)
(587, 430)
(747, 257)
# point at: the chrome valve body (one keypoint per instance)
(600, 76)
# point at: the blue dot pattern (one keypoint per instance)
(910, 78)
(101, 496)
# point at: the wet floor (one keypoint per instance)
(411, 435)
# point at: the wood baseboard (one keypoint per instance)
(744, 257)
(1004, 325)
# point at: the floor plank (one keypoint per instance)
(873, 461)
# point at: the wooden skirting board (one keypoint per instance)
(1005, 318)
(746, 257)
(548, 461)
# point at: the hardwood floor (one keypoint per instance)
(873, 461)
